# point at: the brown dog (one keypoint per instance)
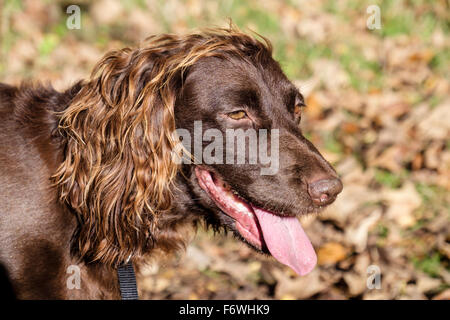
(89, 177)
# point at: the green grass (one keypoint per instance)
(440, 62)
(354, 63)
(250, 13)
(396, 25)
(296, 61)
(388, 179)
(295, 54)
(431, 264)
(211, 273)
(132, 4)
(382, 231)
(9, 36)
(332, 144)
(431, 194)
(405, 18)
(48, 44)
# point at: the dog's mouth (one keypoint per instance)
(282, 236)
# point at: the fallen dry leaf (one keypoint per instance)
(357, 233)
(331, 253)
(356, 283)
(298, 288)
(401, 204)
(436, 124)
(444, 295)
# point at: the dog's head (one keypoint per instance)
(243, 163)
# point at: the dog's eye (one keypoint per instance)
(298, 110)
(299, 104)
(238, 115)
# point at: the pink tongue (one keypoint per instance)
(286, 241)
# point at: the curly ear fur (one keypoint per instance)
(117, 172)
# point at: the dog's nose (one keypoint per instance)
(324, 191)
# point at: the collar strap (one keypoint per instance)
(127, 282)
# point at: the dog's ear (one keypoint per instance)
(117, 168)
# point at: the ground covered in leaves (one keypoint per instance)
(378, 108)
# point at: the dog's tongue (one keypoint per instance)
(286, 241)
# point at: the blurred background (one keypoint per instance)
(378, 108)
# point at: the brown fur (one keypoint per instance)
(127, 160)
(87, 175)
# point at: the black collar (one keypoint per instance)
(127, 282)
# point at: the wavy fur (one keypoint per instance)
(117, 174)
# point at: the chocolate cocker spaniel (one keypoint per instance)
(115, 168)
